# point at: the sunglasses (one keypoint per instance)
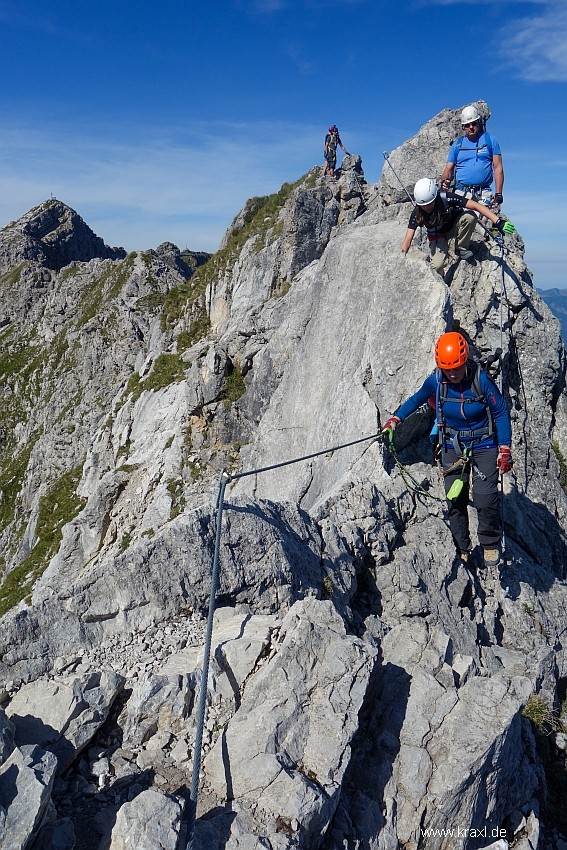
(470, 124)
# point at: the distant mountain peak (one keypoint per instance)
(54, 235)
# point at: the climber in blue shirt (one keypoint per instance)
(475, 158)
(474, 435)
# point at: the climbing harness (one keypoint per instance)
(464, 462)
(480, 194)
(386, 157)
(442, 399)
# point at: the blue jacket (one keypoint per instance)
(470, 416)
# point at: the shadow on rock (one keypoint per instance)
(363, 809)
(213, 830)
(287, 553)
(539, 536)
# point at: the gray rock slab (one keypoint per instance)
(7, 731)
(338, 350)
(149, 822)
(286, 748)
(270, 556)
(63, 715)
(26, 780)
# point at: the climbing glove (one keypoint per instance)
(390, 426)
(504, 226)
(504, 461)
(498, 199)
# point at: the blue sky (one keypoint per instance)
(157, 121)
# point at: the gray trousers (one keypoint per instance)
(484, 498)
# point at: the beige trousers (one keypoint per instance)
(461, 232)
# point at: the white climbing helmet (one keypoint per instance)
(469, 113)
(425, 191)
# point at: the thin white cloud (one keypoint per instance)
(269, 6)
(537, 49)
(486, 2)
(301, 58)
(534, 47)
(176, 187)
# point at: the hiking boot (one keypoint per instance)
(465, 254)
(491, 557)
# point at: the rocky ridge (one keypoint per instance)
(366, 691)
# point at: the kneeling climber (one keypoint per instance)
(444, 216)
(474, 435)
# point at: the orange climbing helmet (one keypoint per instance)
(451, 351)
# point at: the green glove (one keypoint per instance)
(504, 226)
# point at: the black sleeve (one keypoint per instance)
(412, 223)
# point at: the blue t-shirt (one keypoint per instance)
(470, 416)
(473, 160)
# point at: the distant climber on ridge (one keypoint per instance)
(474, 434)
(332, 139)
(443, 216)
(474, 159)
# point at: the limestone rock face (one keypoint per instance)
(26, 781)
(365, 689)
(63, 716)
(54, 235)
(292, 235)
(151, 820)
(286, 748)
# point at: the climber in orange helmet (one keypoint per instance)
(474, 435)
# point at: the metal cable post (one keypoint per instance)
(386, 157)
(224, 479)
(501, 376)
(502, 295)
